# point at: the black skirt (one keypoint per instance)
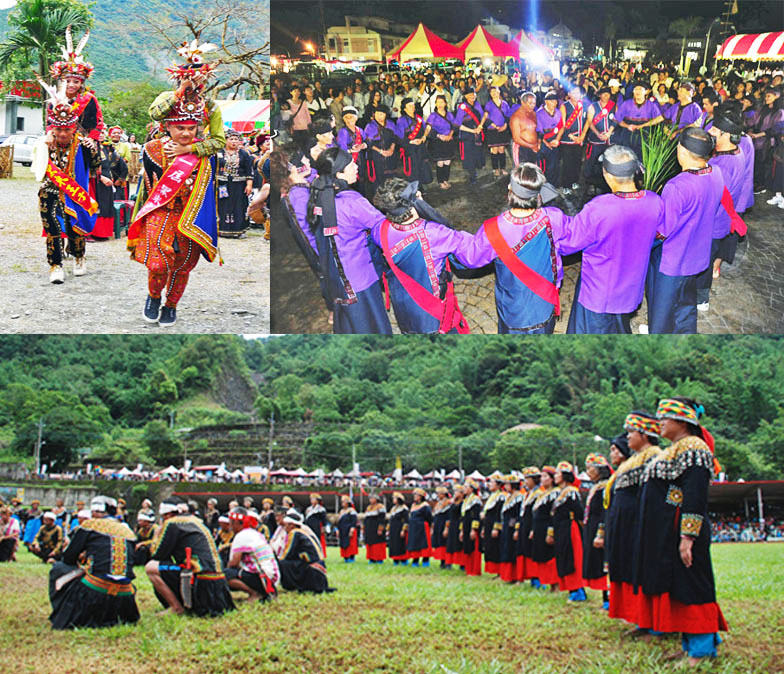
(232, 208)
(6, 550)
(78, 605)
(496, 138)
(441, 150)
(299, 576)
(210, 597)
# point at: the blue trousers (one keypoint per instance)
(583, 321)
(700, 645)
(672, 300)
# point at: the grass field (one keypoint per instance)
(394, 619)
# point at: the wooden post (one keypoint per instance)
(7, 161)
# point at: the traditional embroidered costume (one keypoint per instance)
(374, 527)
(348, 526)
(420, 519)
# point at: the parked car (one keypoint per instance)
(372, 71)
(342, 77)
(23, 147)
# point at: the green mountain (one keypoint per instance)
(488, 402)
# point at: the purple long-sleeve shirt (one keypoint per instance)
(347, 139)
(498, 115)
(691, 113)
(631, 113)
(615, 233)
(733, 170)
(355, 217)
(441, 125)
(747, 195)
(692, 200)
(545, 121)
(482, 252)
(298, 196)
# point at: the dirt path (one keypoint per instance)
(232, 298)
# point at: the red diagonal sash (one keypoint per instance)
(470, 112)
(447, 312)
(69, 187)
(578, 110)
(357, 141)
(554, 132)
(531, 279)
(736, 222)
(417, 127)
(604, 112)
(169, 184)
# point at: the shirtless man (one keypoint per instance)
(522, 125)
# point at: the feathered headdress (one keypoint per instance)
(193, 53)
(73, 64)
(59, 112)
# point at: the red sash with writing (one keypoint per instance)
(578, 110)
(736, 222)
(531, 279)
(467, 109)
(604, 112)
(69, 187)
(446, 311)
(417, 127)
(170, 183)
(411, 136)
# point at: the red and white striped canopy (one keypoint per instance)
(754, 47)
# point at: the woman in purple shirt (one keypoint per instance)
(497, 124)
(340, 220)
(440, 129)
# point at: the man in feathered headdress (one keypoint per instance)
(63, 167)
(177, 222)
(73, 71)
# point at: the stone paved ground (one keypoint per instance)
(748, 298)
(233, 298)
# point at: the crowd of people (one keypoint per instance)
(737, 529)
(351, 184)
(191, 170)
(193, 560)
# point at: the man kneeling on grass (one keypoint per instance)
(185, 569)
(302, 565)
(252, 567)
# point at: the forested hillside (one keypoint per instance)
(427, 400)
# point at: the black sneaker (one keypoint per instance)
(152, 308)
(168, 317)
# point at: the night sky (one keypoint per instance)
(587, 20)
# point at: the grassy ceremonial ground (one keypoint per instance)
(394, 619)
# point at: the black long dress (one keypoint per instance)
(567, 514)
(375, 521)
(510, 523)
(211, 595)
(673, 504)
(620, 529)
(234, 170)
(543, 553)
(470, 518)
(347, 523)
(440, 517)
(593, 523)
(316, 519)
(397, 532)
(491, 521)
(454, 550)
(419, 519)
(302, 564)
(525, 546)
(103, 595)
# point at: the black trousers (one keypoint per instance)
(571, 159)
(49, 205)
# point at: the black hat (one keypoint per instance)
(382, 108)
(550, 96)
(622, 443)
(321, 126)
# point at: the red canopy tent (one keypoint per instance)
(481, 44)
(754, 47)
(423, 43)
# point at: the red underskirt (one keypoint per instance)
(439, 552)
(352, 549)
(104, 228)
(324, 544)
(376, 552)
(455, 558)
(574, 581)
(624, 603)
(492, 567)
(508, 572)
(596, 583)
(662, 613)
(473, 562)
(547, 572)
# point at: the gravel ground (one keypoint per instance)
(232, 298)
(748, 298)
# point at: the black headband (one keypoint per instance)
(702, 147)
(726, 124)
(521, 191)
(624, 169)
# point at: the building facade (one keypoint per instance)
(20, 108)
